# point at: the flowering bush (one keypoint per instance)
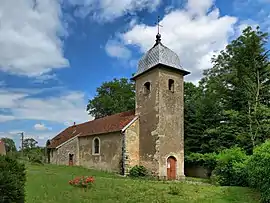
(84, 182)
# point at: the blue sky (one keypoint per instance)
(55, 53)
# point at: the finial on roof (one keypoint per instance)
(158, 36)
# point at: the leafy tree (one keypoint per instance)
(239, 81)
(202, 112)
(9, 145)
(112, 97)
(192, 125)
(29, 143)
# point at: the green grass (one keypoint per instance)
(49, 184)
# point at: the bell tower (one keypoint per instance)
(160, 107)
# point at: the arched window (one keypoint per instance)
(96, 145)
(171, 85)
(147, 87)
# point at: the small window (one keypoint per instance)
(147, 88)
(96, 146)
(171, 85)
(71, 157)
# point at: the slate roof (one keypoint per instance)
(159, 54)
(103, 125)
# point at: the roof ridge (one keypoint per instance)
(105, 117)
(107, 124)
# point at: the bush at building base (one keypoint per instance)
(138, 171)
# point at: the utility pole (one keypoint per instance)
(22, 137)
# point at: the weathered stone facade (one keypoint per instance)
(110, 156)
(161, 120)
(60, 155)
(147, 108)
(131, 147)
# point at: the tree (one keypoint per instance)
(192, 125)
(240, 82)
(112, 97)
(29, 143)
(9, 145)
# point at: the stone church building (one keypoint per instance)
(152, 135)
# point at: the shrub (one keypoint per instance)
(138, 171)
(231, 168)
(12, 179)
(259, 170)
(35, 158)
(83, 182)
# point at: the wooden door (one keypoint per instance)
(171, 168)
(70, 163)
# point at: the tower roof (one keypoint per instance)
(159, 54)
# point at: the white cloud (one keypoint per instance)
(4, 118)
(108, 10)
(66, 107)
(118, 50)
(41, 127)
(29, 37)
(196, 7)
(45, 78)
(195, 33)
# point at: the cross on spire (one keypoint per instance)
(158, 25)
(158, 36)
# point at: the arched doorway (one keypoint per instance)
(171, 168)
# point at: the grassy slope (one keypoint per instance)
(50, 184)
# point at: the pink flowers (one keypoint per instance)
(84, 182)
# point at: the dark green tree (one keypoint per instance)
(239, 81)
(112, 97)
(192, 124)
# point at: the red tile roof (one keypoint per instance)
(106, 124)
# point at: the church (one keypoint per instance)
(152, 135)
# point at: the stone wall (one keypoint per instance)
(110, 156)
(171, 121)
(197, 172)
(147, 107)
(161, 120)
(131, 153)
(60, 156)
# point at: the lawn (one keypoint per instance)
(49, 183)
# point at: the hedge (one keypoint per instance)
(231, 167)
(258, 168)
(12, 180)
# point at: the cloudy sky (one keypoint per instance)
(55, 53)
